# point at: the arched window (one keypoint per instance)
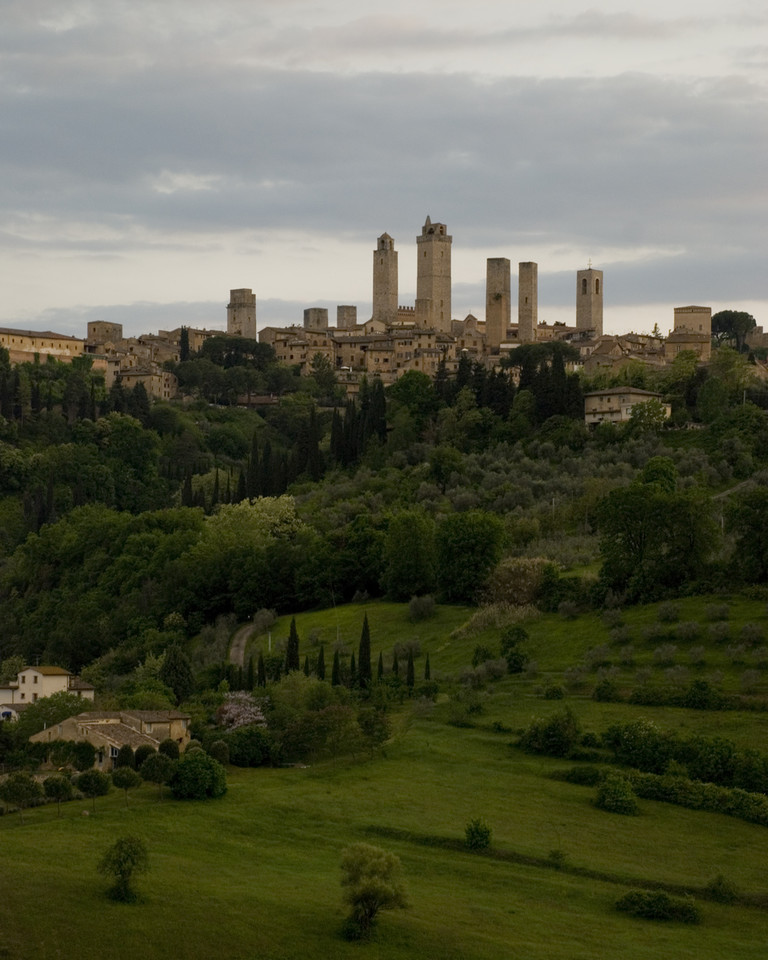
(597, 285)
(584, 286)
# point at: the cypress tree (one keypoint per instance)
(184, 345)
(427, 670)
(261, 671)
(364, 655)
(292, 650)
(249, 676)
(253, 478)
(242, 489)
(380, 670)
(395, 665)
(306, 665)
(335, 670)
(409, 671)
(321, 664)
(215, 495)
(187, 497)
(352, 671)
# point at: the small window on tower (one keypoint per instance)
(584, 286)
(597, 286)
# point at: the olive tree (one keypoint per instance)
(126, 857)
(372, 881)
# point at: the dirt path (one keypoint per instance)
(237, 647)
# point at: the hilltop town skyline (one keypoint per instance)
(280, 140)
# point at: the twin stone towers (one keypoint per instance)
(432, 309)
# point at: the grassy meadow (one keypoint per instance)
(256, 874)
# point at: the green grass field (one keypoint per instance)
(256, 874)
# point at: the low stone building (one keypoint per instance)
(109, 731)
(34, 683)
(615, 404)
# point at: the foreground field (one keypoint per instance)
(256, 874)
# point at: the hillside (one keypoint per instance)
(257, 872)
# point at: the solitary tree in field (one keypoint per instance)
(126, 778)
(158, 769)
(372, 881)
(122, 861)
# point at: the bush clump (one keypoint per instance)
(555, 736)
(615, 794)
(477, 834)
(657, 905)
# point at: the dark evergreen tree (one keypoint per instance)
(242, 488)
(250, 678)
(253, 476)
(261, 671)
(176, 672)
(395, 665)
(184, 345)
(215, 494)
(321, 664)
(377, 413)
(380, 668)
(187, 495)
(352, 671)
(364, 654)
(409, 679)
(336, 669)
(292, 650)
(306, 665)
(337, 437)
(427, 672)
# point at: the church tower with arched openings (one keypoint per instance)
(589, 301)
(433, 277)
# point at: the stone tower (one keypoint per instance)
(527, 301)
(385, 280)
(694, 320)
(433, 277)
(241, 313)
(346, 317)
(498, 308)
(316, 318)
(589, 301)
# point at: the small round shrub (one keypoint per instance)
(193, 745)
(553, 691)
(665, 655)
(142, 752)
(615, 794)
(657, 905)
(668, 612)
(606, 691)
(477, 834)
(612, 619)
(219, 751)
(717, 611)
(169, 748)
(751, 634)
(481, 654)
(512, 636)
(421, 608)
(688, 632)
(722, 890)
(719, 632)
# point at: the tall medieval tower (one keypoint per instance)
(241, 313)
(433, 277)
(589, 301)
(498, 308)
(385, 280)
(527, 301)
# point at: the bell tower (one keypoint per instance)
(385, 280)
(589, 301)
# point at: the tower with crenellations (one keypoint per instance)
(385, 280)
(433, 277)
(241, 313)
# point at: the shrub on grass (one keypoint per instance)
(599, 656)
(421, 608)
(657, 905)
(553, 691)
(627, 655)
(480, 654)
(372, 879)
(126, 857)
(668, 612)
(688, 632)
(516, 661)
(197, 776)
(612, 619)
(749, 680)
(477, 834)
(620, 635)
(697, 655)
(219, 751)
(717, 611)
(58, 788)
(126, 778)
(125, 757)
(158, 769)
(512, 636)
(722, 890)
(752, 633)
(20, 790)
(702, 695)
(719, 632)
(665, 655)
(606, 691)
(555, 736)
(615, 794)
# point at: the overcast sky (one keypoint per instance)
(157, 153)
